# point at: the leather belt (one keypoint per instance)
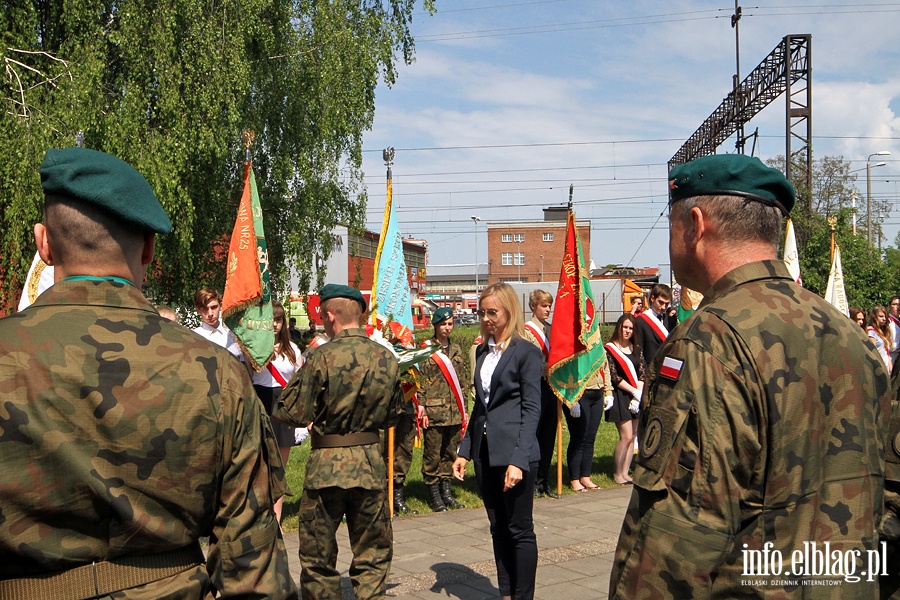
(344, 440)
(104, 577)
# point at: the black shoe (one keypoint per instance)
(447, 495)
(400, 506)
(437, 503)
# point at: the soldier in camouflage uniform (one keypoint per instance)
(347, 392)
(889, 528)
(764, 417)
(125, 437)
(404, 440)
(443, 419)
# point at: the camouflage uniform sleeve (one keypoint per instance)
(296, 405)
(462, 370)
(247, 557)
(889, 526)
(697, 467)
(396, 406)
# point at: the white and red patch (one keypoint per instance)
(671, 368)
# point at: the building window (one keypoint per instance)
(506, 259)
(519, 258)
(519, 237)
(506, 237)
(548, 237)
(512, 237)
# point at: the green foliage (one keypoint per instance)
(869, 278)
(168, 86)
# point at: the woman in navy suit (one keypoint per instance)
(502, 437)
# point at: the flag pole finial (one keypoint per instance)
(571, 190)
(248, 137)
(388, 155)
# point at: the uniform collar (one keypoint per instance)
(764, 269)
(94, 292)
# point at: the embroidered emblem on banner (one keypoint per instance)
(671, 368)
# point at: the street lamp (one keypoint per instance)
(475, 220)
(869, 191)
(542, 267)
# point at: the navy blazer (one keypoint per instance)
(511, 418)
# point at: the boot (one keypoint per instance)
(437, 504)
(447, 495)
(400, 506)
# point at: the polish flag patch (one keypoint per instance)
(671, 368)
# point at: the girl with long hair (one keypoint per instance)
(627, 373)
(879, 331)
(269, 382)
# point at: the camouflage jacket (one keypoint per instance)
(436, 396)
(348, 385)
(122, 433)
(764, 421)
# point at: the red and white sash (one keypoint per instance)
(276, 374)
(540, 336)
(317, 341)
(657, 327)
(625, 364)
(446, 366)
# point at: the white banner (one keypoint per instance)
(834, 292)
(791, 257)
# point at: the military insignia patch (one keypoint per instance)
(671, 368)
(651, 438)
(896, 443)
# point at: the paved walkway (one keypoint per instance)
(448, 555)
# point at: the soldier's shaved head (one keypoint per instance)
(347, 312)
(84, 235)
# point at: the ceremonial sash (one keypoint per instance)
(277, 375)
(446, 366)
(313, 343)
(625, 364)
(541, 338)
(657, 327)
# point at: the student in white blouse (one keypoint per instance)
(269, 382)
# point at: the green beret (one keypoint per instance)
(441, 315)
(336, 290)
(106, 182)
(732, 175)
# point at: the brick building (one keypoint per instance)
(531, 252)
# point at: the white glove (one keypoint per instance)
(300, 435)
(638, 394)
(607, 403)
(634, 406)
(575, 410)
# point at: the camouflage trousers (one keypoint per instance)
(440, 443)
(371, 541)
(404, 440)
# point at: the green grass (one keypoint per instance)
(466, 491)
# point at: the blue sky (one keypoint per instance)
(509, 101)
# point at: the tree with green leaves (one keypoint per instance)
(169, 85)
(868, 279)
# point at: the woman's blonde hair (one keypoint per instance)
(509, 302)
